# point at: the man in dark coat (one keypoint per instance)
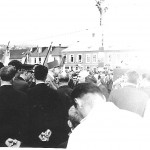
(13, 110)
(47, 123)
(65, 91)
(19, 82)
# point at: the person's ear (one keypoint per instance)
(78, 102)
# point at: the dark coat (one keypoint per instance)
(65, 96)
(20, 84)
(13, 114)
(46, 113)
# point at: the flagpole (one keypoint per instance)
(47, 54)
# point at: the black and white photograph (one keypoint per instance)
(74, 74)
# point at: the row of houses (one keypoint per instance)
(80, 55)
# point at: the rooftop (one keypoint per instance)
(56, 50)
(83, 47)
(17, 54)
(39, 52)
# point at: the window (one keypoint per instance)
(94, 58)
(35, 60)
(79, 58)
(76, 68)
(67, 68)
(40, 60)
(88, 68)
(71, 58)
(88, 58)
(65, 58)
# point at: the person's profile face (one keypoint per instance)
(81, 79)
(80, 107)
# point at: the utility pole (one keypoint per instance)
(102, 10)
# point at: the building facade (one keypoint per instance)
(126, 58)
(88, 58)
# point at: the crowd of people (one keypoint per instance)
(82, 109)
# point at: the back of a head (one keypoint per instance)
(17, 64)
(63, 77)
(146, 76)
(85, 88)
(40, 72)
(7, 73)
(132, 76)
(90, 79)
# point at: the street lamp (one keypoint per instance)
(102, 10)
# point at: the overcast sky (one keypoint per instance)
(126, 22)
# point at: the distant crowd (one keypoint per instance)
(82, 109)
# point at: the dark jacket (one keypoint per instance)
(13, 114)
(20, 84)
(46, 113)
(65, 96)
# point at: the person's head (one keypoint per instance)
(74, 77)
(145, 80)
(86, 96)
(90, 79)
(17, 64)
(1, 65)
(7, 73)
(63, 78)
(40, 72)
(146, 76)
(132, 77)
(82, 75)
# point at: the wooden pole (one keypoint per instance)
(47, 54)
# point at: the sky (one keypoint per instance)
(125, 24)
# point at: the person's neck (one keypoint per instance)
(5, 83)
(39, 81)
